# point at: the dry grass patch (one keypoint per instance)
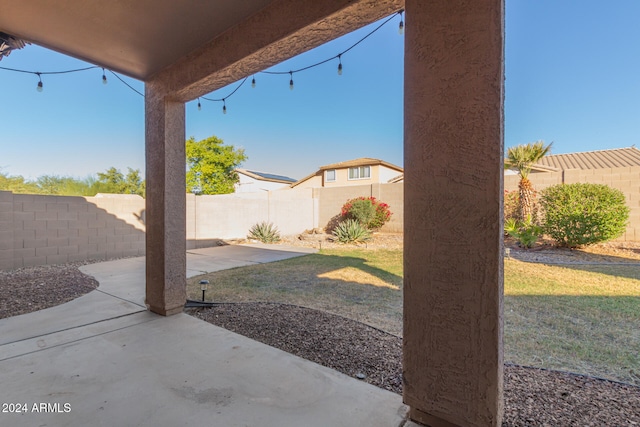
(361, 284)
(581, 319)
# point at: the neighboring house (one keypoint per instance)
(601, 164)
(360, 171)
(602, 159)
(252, 181)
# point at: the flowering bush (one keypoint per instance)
(368, 211)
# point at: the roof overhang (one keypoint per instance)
(170, 41)
(136, 38)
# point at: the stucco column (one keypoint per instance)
(166, 204)
(454, 70)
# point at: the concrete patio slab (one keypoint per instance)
(103, 360)
(90, 308)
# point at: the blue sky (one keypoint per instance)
(572, 77)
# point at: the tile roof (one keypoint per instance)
(619, 157)
(363, 161)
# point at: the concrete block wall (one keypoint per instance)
(232, 215)
(6, 230)
(332, 199)
(38, 230)
(626, 180)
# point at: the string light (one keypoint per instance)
(40, 85)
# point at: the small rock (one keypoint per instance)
(360, 376)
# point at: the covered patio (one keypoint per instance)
(453, 131)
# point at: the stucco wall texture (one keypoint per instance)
(625, 179)
(453, 155)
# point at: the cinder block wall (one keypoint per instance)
(332, 199)
(38, 230)
(626, 180)
(232, 215)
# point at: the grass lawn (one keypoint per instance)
(579, 319)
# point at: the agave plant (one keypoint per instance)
(351, 231)
(265, 232)
(525, 232)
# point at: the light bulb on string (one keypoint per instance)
(224, 107)
(39, 88)
(401, 25)
(291, 80)
(339, 65)
(253, 82)
(104, 78)
(199, 105)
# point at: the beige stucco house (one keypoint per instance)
(362, 171)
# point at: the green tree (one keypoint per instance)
(113, 181)
(50, 184)
(18, 184)
(133, 183)
(211, 166)
(521, 158)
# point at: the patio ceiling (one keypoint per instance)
(137, 38)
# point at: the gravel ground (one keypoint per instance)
(533, 397)
(24, 290)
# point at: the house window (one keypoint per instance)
(330, 175)
(361, 172)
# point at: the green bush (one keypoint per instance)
(583, 214)
(368, 211)
(351, 231)
(525, 232)
(265, 232)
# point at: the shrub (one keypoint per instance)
(265, 232)
(368, 211)
(583, 214)
(525, 232)
(351, 231)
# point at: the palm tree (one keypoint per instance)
(521, 158)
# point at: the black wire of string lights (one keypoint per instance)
(292, 72)
(40, 85)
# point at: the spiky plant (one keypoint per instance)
(522, 157)
(265, 232)
(351, 231)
